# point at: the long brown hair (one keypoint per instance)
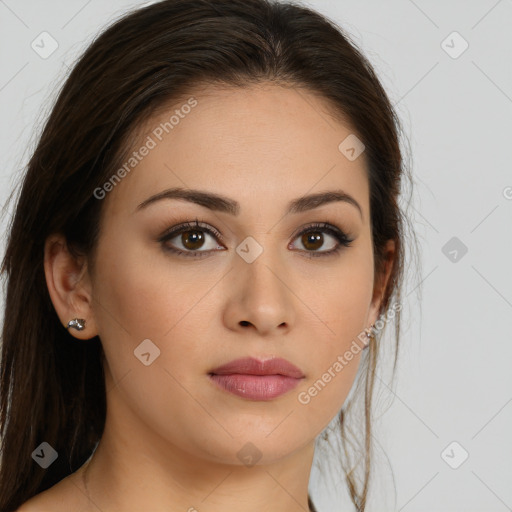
(53, 390)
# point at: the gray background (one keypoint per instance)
(454, 382)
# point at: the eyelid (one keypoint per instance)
(190, 225)
(343, 239)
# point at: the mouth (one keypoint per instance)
(258, 380)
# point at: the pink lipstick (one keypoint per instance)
(257, 380)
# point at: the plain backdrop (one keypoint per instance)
(441, 437)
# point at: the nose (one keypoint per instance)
(260, 296)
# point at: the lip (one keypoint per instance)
(257, 380)
(253, 366)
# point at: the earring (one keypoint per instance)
(369, 334)
(76, 323)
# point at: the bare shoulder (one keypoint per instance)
(62, 497)
(32, 505)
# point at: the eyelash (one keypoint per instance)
(198, 225)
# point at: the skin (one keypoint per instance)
(171, 437)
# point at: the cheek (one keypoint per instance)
(338, 299)
(140, 296)
(333, 359)
(144, 295)
(136, 301)
(340, 305)
(324, 394)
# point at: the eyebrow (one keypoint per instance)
(224, 204)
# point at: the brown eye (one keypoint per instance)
(192, 240)
(312, 240)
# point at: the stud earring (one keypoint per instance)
(76, 323)
(369, 334)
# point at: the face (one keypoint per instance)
(255, 278)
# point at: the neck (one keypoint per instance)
(132, 484)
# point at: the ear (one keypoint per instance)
(69, 286)
(381, 282)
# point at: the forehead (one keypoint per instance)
(260, 142)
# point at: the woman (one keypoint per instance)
(205, 252)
